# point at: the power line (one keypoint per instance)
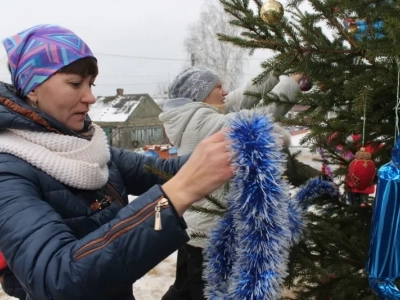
(155, 58)
(130, 84)
(140, 57)
(132, 76)
(165, 58)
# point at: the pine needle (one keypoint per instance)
(206, 211)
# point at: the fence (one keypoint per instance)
(131, 137)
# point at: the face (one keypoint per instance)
(65, 97)
(217, 95)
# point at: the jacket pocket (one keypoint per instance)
(120, 228)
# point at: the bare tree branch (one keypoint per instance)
(223, 57)
(162, 90)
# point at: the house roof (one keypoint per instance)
(116, 108)
(160, 102)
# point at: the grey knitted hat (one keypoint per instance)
(195, 83)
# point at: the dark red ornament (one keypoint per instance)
(361, 171)
(305, 84)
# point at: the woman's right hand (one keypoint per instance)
(297, 76)
(208, 168)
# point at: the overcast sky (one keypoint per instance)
(117, 32)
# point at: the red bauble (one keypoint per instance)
(361, 171)
(305, 84)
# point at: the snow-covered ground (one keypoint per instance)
(3, 296)
(155, 283)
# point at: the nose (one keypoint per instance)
(224, 92)
(88, 96)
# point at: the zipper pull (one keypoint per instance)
(157, 220)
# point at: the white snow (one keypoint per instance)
(3, 296)
(116, 110)
(295, 139)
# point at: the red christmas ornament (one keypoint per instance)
(305, 84)
(361, 171)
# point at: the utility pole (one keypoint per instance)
(193, 60)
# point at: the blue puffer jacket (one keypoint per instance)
(60, 248)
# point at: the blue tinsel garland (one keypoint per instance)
(298, 205)
(247, 253)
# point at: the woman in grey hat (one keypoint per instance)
(198, 106)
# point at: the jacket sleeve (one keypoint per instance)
(208, 121)
(137, 178)
(288, 88)
(237, 100)
(52, 264)
(285, 87)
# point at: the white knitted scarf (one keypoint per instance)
(74, 161)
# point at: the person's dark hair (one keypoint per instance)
(84, 67)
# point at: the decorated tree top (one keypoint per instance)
(349, 49)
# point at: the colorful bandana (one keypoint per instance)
(38, 52)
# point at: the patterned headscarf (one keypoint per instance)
(38, 52)
(195, 83)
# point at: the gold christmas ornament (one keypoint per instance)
(362, 154)
(271, 11)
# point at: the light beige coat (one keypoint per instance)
(190, 123)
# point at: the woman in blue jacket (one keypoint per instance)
(67, 230)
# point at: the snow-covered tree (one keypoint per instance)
(203, 45)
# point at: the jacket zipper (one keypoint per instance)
(115, 195)
(122, 227)
(157, 220)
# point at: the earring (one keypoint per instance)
(34, 105)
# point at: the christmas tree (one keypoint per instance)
(348, 50)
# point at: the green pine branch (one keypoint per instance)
(207, 211)
(198, 236)
(350, 71)
(155, 171)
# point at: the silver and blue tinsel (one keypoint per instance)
(383, 265)
(298, 205)
(247, 252)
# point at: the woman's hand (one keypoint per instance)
(208, 168)
(297, 76)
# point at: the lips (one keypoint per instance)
(80, 115)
